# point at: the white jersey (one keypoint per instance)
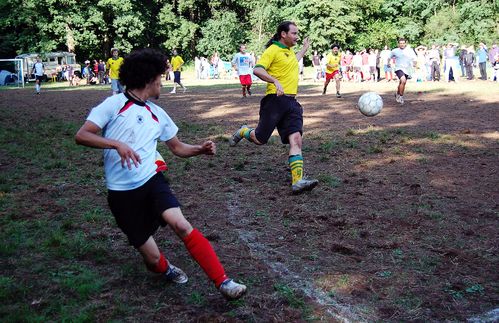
(404, 59)
(138, 125)
(243, 63)
(38, 67)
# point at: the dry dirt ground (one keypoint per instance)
(403, 225)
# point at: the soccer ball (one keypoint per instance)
(370, 104)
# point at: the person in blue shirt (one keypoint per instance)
(481, 54)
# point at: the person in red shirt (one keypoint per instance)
(346, 64)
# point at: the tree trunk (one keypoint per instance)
(70, 41)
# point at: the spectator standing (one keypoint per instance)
(385, 55)
(346, 65)
(493, 52)
(87, 72)
(462, 54)
(469, 62)
(434, 59)
(357, 67)
(495, 67)
(482, 61)
(95, 68)
(101, 71)
(421, 63)
(372, 59)
(451, 62)
(365, 65)
(215, 61)
(316, 63)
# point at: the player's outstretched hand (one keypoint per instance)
(209, 148)
(128, 156)
(306, 43)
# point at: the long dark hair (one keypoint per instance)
(283, 26)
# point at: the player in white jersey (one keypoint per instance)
(405, 61)
(38, 70)
(128, 126)
(242, 63)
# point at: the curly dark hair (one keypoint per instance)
(141, 67)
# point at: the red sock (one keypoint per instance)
(160, 267)
(202, 251)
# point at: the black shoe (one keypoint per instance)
(338, 95)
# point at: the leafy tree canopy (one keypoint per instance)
(201, 27)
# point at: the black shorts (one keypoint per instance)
(176, 76)
(138, 211)
(401, 73)
(283, 112)
(39, 78)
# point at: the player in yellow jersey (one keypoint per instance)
(278, 66)
(177, 63)
(113, 65)
(333, 61)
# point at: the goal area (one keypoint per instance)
(11, 72)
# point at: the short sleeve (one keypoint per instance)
(168, 128)
(102, 114)
(267, 57)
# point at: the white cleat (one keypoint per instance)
(232, 290)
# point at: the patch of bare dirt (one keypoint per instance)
(403, 225)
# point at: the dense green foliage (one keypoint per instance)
(200, 27)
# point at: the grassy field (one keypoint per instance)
(402, 227)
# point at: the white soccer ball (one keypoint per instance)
(370, 104)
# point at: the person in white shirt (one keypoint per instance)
(405, 61)
(38, 70)
(372, 59)
(385, 55)
(357, 67)
(242, 63)
(128, 126)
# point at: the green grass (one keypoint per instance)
(329, 180)
(197, 298)
(290, 296)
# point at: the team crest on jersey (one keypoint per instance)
(140, 119)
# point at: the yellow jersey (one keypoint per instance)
(113, 66)
(333, 60)
(176, 62)
(281, 63)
